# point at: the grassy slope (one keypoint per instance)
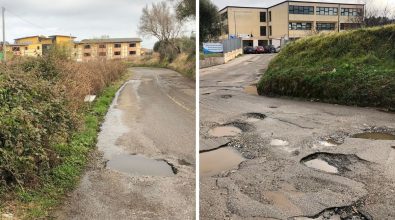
(34, 204)
(353, 68)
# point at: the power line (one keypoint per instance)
(29, 22)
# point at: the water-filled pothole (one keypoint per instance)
(226, 96)
(224, 131)
(254, 116)
(137, 165)
(279, 142)
(331, 163)
(339, 213)
(219, 160)
(375, 136)
(252, 90)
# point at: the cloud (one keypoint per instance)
(81, 18)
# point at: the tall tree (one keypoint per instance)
(186, 9)
(159, 21)
(210, 21)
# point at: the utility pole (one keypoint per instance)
(4, 50)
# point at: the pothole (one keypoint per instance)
(279, 142)
(254, 116)
(226, 96)
(137, 165)
(207, 93)
(330, 163)
(224, 131)
(375, 136)
(393, 147)
(184, 162)
(339, 213)
(216, 161)
(252, 90)
(273, 107)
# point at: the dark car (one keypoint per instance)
(260, 49)
(248, 50)
(271, 49)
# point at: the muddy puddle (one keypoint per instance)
(375, 136)
(219, 160)
(224, 131)
(321, 165)
(252, 90)
(137, 165)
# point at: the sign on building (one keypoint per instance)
(213, 48)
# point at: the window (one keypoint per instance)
(270, 31)
(325, 26)
(15, 48)
(132, 52)
(87, 46)
(299, 26)
(102, 46)
(87, 54)
(75, 46)
(270, 16)
(351, 12)
(348, 26)
(102, 54)
(263, 30)
(326, 11)
(38, 47)
(117, 53)
(26, 48)
(295, 9)
(132, 45)
(117, 45)
(262, 16)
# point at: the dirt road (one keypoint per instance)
(146, 169)
(290, 158)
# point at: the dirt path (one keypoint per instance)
(146, 169)
(299, 158)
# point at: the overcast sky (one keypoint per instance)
(81, 18)
(265, 3)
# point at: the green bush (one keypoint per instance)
(353, 68)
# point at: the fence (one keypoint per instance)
(232, 44)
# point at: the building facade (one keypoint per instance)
(112, 48)
(85, 50)
(288, 20)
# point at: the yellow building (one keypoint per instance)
(288, 20)
(111, 48)
(37, 45)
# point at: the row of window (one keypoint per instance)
(103, 54)
(296, 9)
(104, 46)
(308, 26)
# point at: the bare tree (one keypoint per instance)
(160, 21)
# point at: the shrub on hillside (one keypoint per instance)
(354, 68)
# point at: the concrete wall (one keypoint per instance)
(211, 61)
(231, 55)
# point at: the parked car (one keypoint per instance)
(271, 49)
(260, 49)
(248, 50)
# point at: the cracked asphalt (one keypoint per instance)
(152, 108)
(272, 183)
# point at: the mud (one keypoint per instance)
(220, 160)
(224, 131)
(251, 90)
(375, 136)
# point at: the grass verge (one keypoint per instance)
(352, 68)
(38, 203)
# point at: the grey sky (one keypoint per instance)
(265, 3)
(81, 18)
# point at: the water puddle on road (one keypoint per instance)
(137, 165)
(375, 136)
(322, 165)
(217, 161)
(224, 131)
(252, 90)
(279, 142)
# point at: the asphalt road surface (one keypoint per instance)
(301, 160)
(145, 164)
